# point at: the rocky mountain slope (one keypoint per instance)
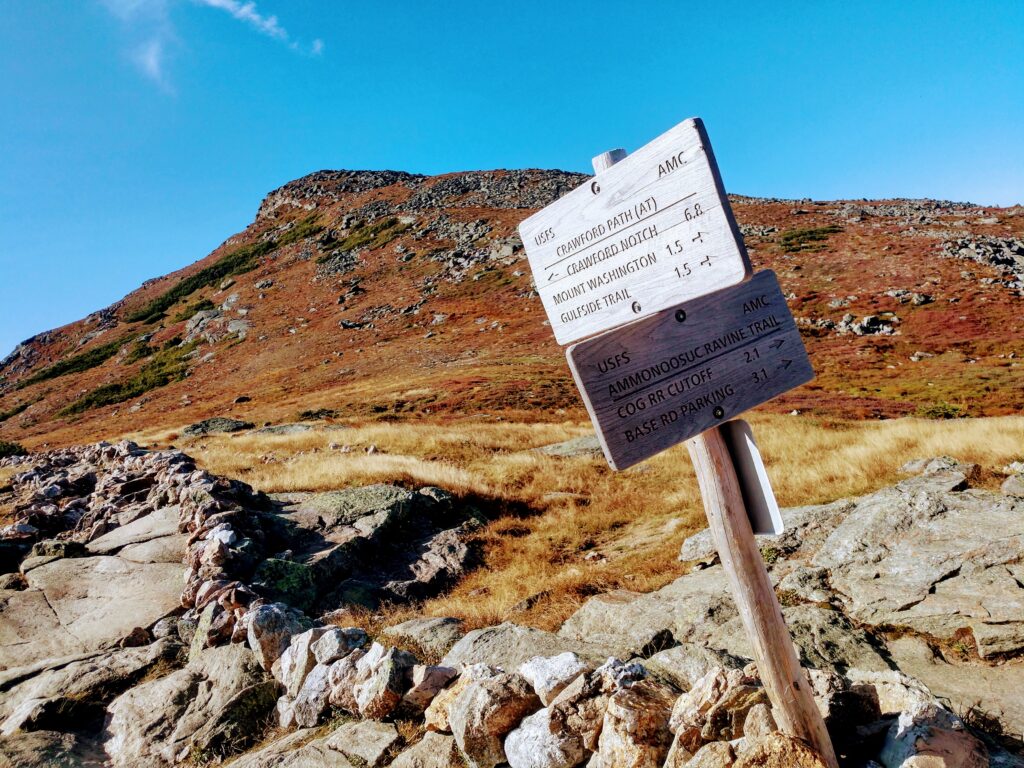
(906, 605)
(378, 294)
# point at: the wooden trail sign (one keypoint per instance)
(775, 655)
(673, 374)
(651, 231)
(657, 382)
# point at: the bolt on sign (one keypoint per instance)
(649, 232)
(662, 380)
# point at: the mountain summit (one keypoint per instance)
(382, 293)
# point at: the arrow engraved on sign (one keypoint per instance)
(552, 276)
(786, 363)
(777, 343)
(698, 238)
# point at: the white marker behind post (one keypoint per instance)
(758, 497)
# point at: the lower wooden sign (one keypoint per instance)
(656, 382)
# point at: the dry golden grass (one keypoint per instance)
(6, 510)
(549, 513)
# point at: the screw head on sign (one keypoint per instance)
(719, 412)
(595, 187)
(636, 307)
(680, 315)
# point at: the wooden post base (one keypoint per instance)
(774, 652)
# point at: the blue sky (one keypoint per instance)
(136, 135)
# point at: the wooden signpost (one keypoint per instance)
(693, 345)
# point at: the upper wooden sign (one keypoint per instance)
(656, 382)
(649, 232)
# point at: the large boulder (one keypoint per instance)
(549, 675)
(343, 549)
(825, 639)
(434, 750)
(81, 604)
(804, 530)
(437, 716)
(686, 663)
(509, 645)
(580, 708)
(270, 629)
(585, 446)
(343, 676)
(426, 682)
(209, 708)
(630, 623)
(372, 506)
(80, 687)
(635, 732)
(435, 636)
(715, 709)
(216, 425)
(485, 712)
(338, 643)
(384, 685)
(312, 699)
(965, 572)
(298, 659)
(537, 743)
(365, 743)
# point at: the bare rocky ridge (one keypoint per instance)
(406, 283)
(904, 604)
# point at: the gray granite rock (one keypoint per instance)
(434, 635)
(434, 750)
(509, 645)
(365, 743)
(207, 708)
(630, 623)
(825, 638)
(53, 693)
(934, 560)
(101, 599)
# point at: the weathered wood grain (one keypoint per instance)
(648, 232)
(656, 382)
(774, 653)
